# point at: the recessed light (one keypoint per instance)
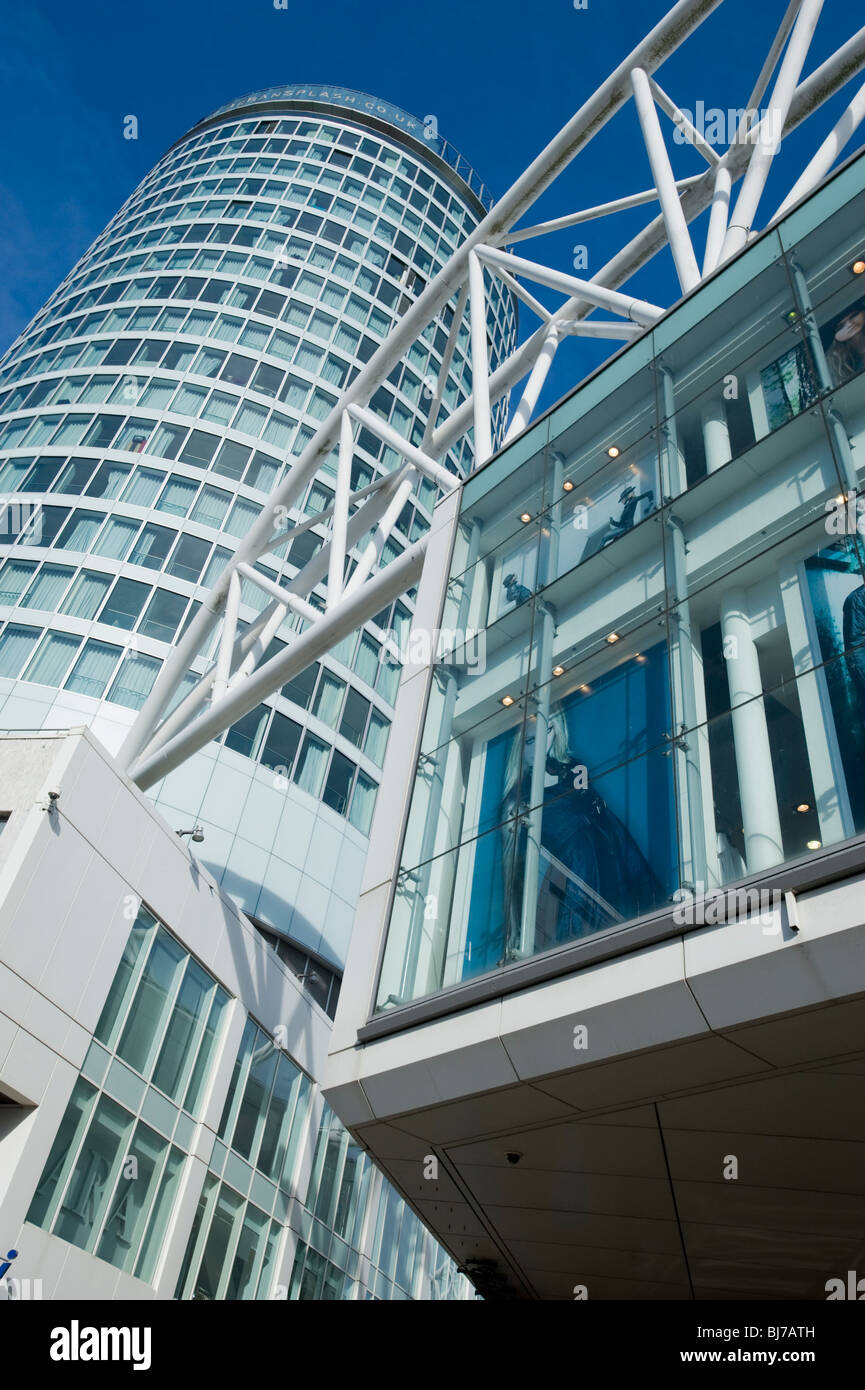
(567, 485)
(525, 517)
(813, 844)
(614, 451)
(507, 700)
(558, 670)
(858, 267)
(612, 637)
(803, 807)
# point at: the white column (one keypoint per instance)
(716, 434)
(763, 844)
(480, 361)
(831, 801)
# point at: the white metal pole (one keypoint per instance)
(338, 547)
(631, 200)
(627, 305)
(226, 640)
(480, 360)
(677, 228)
(330, 629)
(718, 217)
(770, 128)
(421, 461)
(828, 152)
(372, 554)
(537, 377)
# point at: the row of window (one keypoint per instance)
(92, 667)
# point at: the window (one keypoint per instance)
(338, 785)
(164, 1016)
(281, 743)
(188, 558)
(93, 669)
(200, 448)
(311, 765)
(53, 658)
(178, 493)
(246, 735)
(124, 603)
(162, 617)
(134, 681)
(16, 644)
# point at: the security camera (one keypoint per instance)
(513, 1156)
(54, 794)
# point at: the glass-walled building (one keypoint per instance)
(155, 402)
(612, 934)
(665, 581)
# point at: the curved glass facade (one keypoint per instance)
(154, 403)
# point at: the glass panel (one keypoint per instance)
(62, 1155)
(220, 1237)
(183, 1032)
(86, 594)
(143, 1027)
(95, 1175)
(133, 1196)
(201, 1070)
(53, 658)
(93, 669)
(125, 977)
(134, 680)
(154, 1238)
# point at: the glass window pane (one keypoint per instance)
(201, 1070)
(62, 1154)
(134, 681)
(53, 658)
(124, 603)
(143, 1026)
(152, 1244)
(133, 1195)
(125, 976)
(181, 1036)
(93, 669)
(86, 594)
(95, 1175)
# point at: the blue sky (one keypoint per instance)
(500, 78)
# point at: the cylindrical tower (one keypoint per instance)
(150, 408)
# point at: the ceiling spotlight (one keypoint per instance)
(639, 657)
(558, 670)
(613, 637)
(803, 807)
(567, 485)
(813, 844)
(525, 517)
(614, 451)
(858, 267)
(507, 700)
(586, 689)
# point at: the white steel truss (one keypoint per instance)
(238, 678)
